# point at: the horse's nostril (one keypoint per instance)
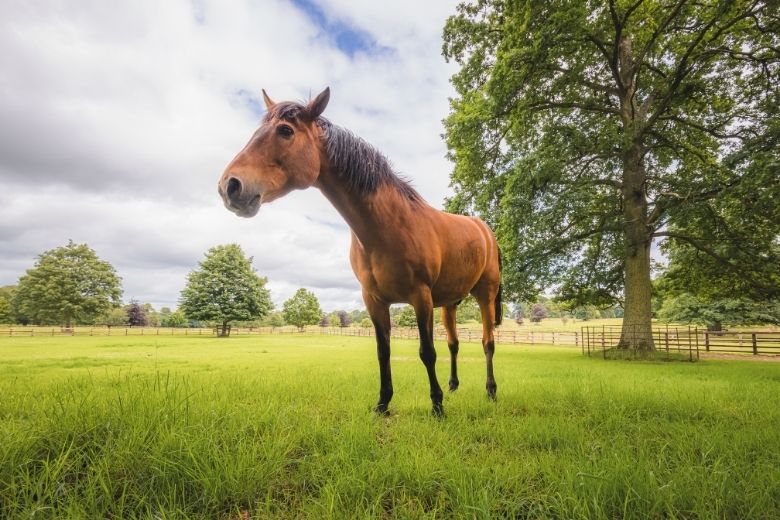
(233, 188)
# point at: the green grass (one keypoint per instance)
(280, 427)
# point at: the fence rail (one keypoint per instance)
(690, 340)
(565, 338)
(589, 339)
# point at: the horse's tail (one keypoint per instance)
(499, 310)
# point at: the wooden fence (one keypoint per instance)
(589, 339)
(691, 340)
(565, 338)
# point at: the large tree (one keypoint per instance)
(585, 130)
(302, 309)
(68, 285)
(225, 288)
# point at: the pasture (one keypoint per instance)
(280, 427)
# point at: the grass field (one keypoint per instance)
(280, 427)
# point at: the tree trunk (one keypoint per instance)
(637, 235)
(637, 320)
(715, 326)
(637, 331)
(225, 332)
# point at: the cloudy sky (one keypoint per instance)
(117, 118)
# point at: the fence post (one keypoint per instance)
(707, 340)
(755, 344)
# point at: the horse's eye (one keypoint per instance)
(284, 131)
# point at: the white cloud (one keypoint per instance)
(117, 119)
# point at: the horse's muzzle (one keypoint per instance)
(241, 201)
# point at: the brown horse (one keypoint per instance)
(403, 250)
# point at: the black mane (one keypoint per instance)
(364, 167)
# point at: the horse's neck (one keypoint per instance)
(371, 216)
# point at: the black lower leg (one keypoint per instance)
(428, 357)
(491, 381)
(385, 378)
(454, 383)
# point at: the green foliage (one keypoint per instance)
(333, 320)
(468, 311)
(173, 319)
(586, 312)
(407, 317)
(302, 309)
(7, 314)
(68, 285)
(153, 318)
(714, 313)
(366, 323)
(274, 319)
(225, 288)
(116, 317)
(584, 130)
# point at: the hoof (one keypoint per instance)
(437, 410)
(491, 393)
(454, 383)
(381, 410)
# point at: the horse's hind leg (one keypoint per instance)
(487, 309)
(448, 318)
(380, 316)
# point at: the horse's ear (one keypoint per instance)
(317, 105)
(268, 101)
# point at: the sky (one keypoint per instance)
(117, 119)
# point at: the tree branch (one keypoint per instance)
(582, 106)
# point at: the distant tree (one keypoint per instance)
(6, 311)
(302, 309)
(333, 319)
(358, 315)
(164, 313)
(7, 314)
(116, 317)
(225, 288)
(468, 310)
(68, 285)
(344, 319)
(407, 318)
(136, 316)
(586, 312)
(153, 318)
(714, 314)
(275, 319)
(366, 323)
(174, 319)
(519, 314)
(325, 321)
(538, 312)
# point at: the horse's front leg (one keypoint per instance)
(423, 308)
(380, 317)
(450, 325)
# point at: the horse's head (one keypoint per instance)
(282, 155)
